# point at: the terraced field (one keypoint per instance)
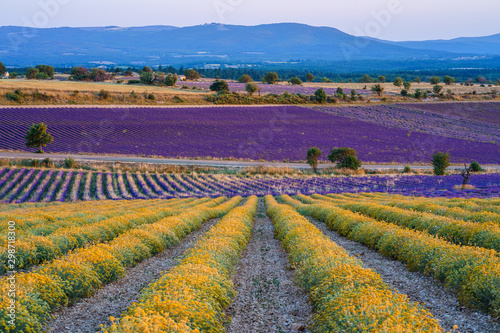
(349, 262)
(24, 185)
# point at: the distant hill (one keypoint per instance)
(271, 43)
(488, 45)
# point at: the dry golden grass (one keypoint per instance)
(391, 88)
(70, 92)
(70, 86)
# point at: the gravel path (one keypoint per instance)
(267, 300)
(86, 315)
(441, 302)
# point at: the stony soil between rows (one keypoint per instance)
(268, 300)
(86, 315)
(441, 302)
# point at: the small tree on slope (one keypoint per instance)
(37, 137)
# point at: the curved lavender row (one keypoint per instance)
(133, 187)
(164, 184)
(86, 187)
(52, 189)
(197, 186)
(28, 190)
(179, 189)
(76, 186)
(41, 188)
(144, 186)
(12, 182)
(109, 186)
(63, 190)
(154, 185)
(124, 193)
(99, 193)
(10, 196)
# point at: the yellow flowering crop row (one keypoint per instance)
(191, 296)
(52, 212)
(472, 204)
(346, 296)
(33, 250)
(83, 272)
(473, 272)
(44, 222)
(466, 210)
(459, 232)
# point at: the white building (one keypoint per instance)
(6, 75)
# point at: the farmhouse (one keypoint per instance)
(6, 75)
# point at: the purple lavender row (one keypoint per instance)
(122, 187)
(63, 190)
(52, 190)
(164, 184)
(43, 185)
(10, 184)
(99, 192)
(87, 187)
(76, 187)
(10, 196)
(145, 186)
(110, 188)
(133, 187)
(155, 186)
(28, 190)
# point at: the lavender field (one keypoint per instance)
(470, 121)
(267, 133)
(18, 185)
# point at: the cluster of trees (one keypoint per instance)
(343, 157)
(85, 74)
(40, 72)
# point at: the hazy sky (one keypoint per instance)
(386, 19)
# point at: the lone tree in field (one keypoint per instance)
(345, 158)
(31, 73)
(440, 162)
(171, 80)
(270, 77)
(219, 85)
(320, 96)
(295, 81)
(49, 70)
(398, 82)
(407, 85)
(191, 74)
(251, 88)
(437, 89)
(2, 69)
(466, 175)
(449, 80)
(435, 80)
(37, 137)
(313, 155)
(378, 89)
(245, 78)
(309, 77)
(475, 167)
(381, 78)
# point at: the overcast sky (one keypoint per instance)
(386, 19)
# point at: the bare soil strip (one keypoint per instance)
(441, 302)
(86, 315)
(267, 300)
